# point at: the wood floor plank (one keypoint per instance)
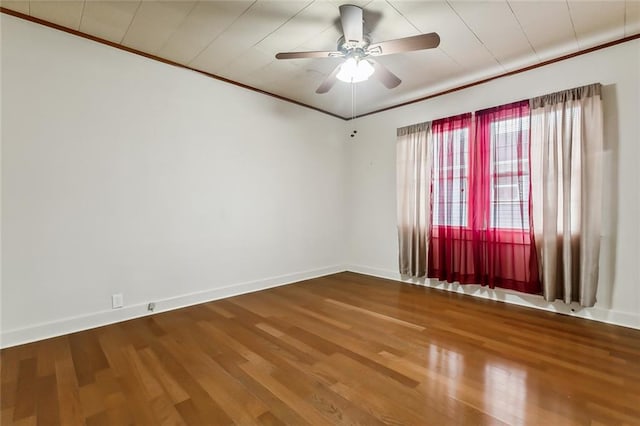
(268, 419)
(199, 405)
(165, 412)
(241, 406)
(150, 385)
(296, 402)
(278, 408)
(193, 416)
(25, 399)
(48, 411)
(70, 406)
(87, 356)
(118, 409)
(341, 349)
(171, 387)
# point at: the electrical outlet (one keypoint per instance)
(117, 301)
(151, 306)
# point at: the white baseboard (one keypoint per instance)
(63, 326)
(625, 319)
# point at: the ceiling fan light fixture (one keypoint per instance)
(355, 70)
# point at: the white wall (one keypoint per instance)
(373, 246)
(125, 175)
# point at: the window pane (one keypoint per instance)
(451, 157)
(510, 174)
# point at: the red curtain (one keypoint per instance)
(481, 221)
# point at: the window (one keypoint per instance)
(510, 173)
(480, 228)
(475, 190)
(496, 194)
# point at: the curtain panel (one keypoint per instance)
(413, 156)
(566, 164)
(509, 197)
(481, 230)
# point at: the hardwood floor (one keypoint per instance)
(342, 349)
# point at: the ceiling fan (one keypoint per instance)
(358, 50)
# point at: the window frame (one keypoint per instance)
(508, 234)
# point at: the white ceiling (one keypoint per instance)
(238, 39)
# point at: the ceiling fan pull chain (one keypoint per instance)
(354, 99)
(353, 106)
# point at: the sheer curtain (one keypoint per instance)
(413, 155)
(566, 156)
(450, 250)
(481, 223)
(501, 194)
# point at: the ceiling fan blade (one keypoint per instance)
(317, 54)
(386, 77)
(351, 18)
(407, 44)
(328, 82)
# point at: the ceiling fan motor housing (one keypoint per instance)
(353, 48)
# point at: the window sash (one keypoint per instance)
(451, 178)
(506, 213)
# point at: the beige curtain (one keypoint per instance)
(414, 160)
(566, 190)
